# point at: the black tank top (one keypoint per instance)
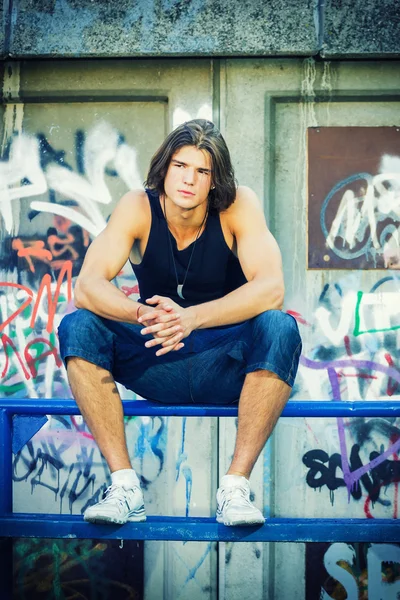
(214, 270)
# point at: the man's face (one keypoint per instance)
(188, 179)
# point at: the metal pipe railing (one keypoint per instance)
(294, 408)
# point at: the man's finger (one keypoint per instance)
(168, 318)
(164, 306)
(178, 346)
(158, 314)
(162, 330)
(173, 340)
(164, 342)
(158, 300)
(169, 349)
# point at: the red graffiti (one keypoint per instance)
(61, 245)
(84, 434)
(31, 361)
(52, 302)
(63, 224)
(31, 249)
(298, 317)
(346, 340)
(358, 375)
(367, 502)
(6, 341)
(23, 305)
(128, 291)
(392, 386)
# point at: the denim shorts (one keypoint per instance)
(209, 369)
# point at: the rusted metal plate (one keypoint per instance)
(353, 197)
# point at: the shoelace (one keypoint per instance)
(231, 493)
(115, 492)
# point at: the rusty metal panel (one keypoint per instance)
(353, 197)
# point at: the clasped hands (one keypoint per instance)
(168, 323)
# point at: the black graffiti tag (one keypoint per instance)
(323, 471)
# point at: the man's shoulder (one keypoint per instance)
(137, 198)
(135, 203)
(132, 211)
(245, 200)
(246, 213)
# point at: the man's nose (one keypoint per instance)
(189, 176)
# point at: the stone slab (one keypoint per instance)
(361, 28)
(116, 28)
(2, 30)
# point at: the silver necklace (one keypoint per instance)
(179, 286)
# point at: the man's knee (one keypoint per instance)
(276, 331)
(77, 323)
(276, 344)
(84, 334)
(274, 322)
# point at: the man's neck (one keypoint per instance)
(183, 221)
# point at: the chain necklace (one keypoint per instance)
(179, 286)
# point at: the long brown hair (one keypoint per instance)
(204, 135)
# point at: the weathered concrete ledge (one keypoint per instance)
(3, 29)
(123, 28)
(167, 28)
(367, 29)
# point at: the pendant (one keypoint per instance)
(179, 291)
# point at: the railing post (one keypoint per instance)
(6, 504)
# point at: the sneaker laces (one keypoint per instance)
(115, 492)
(233, 493)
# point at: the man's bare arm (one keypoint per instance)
(261, 261)
(105, 258)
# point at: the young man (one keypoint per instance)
(208, 326)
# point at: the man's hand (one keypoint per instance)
(169, 323)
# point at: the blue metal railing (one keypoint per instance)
(180, 528)
(294, 408)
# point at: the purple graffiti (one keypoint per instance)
(351, 478)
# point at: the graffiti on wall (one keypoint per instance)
(353, 197)
(352, 353)
(40, 268)
(353, 571)
(38, 275)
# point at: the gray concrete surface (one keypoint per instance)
(166, 28)
(365, 28)
(130, 28)
(3, 15)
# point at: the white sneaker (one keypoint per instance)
(118, 506)
(233, 503)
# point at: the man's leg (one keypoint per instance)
(262, 400)
(98, 399)
(272, 345)
(86, 340)
(96, 351)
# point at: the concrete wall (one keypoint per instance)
(83, 28)
(75, 135)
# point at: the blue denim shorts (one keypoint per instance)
(210, 369)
